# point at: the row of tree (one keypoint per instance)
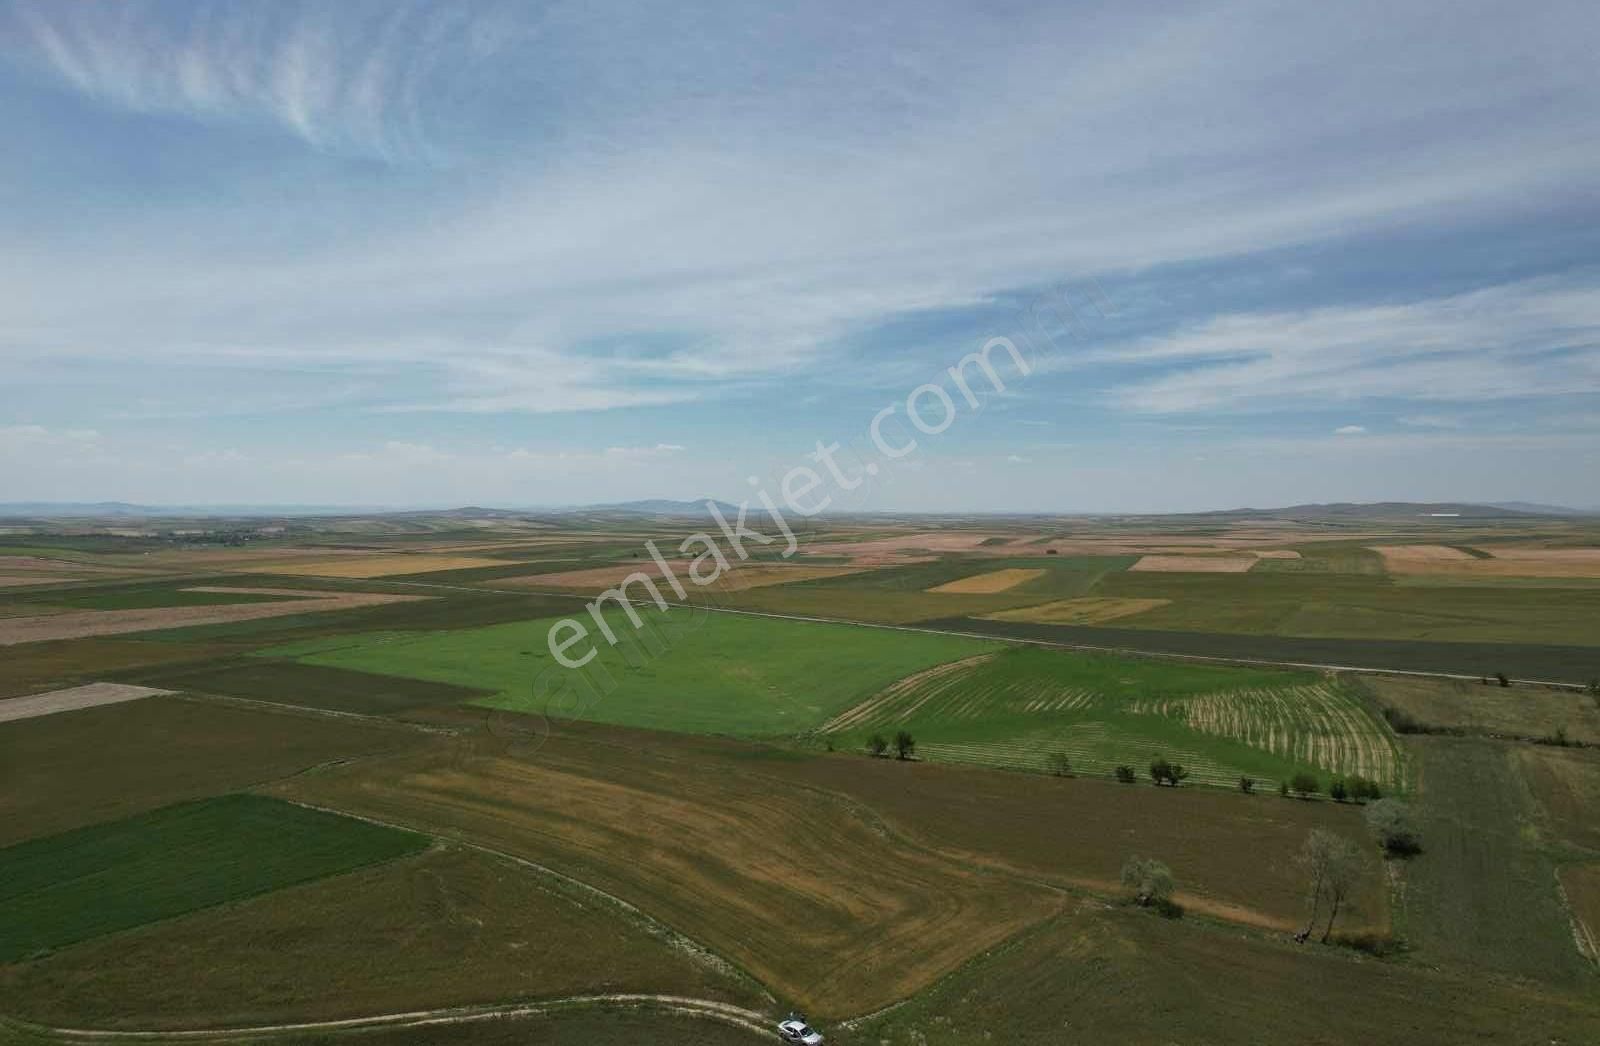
(905, 746)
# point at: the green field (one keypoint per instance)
(729, 674)
(92, 881)
(1020, 707)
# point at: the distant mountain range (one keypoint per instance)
(1398, 510)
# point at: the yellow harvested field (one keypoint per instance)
(1276, 553)
(903, 549)
(1195, 564)
(987, 584)
(1580, 883)
(1505, 561)
(374, 566)
(1087, 610)
(81, 624)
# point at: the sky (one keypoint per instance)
(524, 254)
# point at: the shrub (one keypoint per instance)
(1163, 772)
(1391, 821)
(904, 745)
(877, 746)
(1149, 881)
(1058, 763)
(1247, 785)
(1283, 789)
(1594, 689)
(1305, 784)
(1400, 721)
(1126, 775)
(1337, 790)
(1503, 679)
(1361, 788)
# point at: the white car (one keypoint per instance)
(797, 1030)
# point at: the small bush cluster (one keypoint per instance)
(1163, 772)
(1355, 787)
(1391, 820)
(1126, 775)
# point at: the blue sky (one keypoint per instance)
(523, 254)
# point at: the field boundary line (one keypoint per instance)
(206, 696)
(710, 1009)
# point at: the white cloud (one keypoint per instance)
(1537, 338)
(1350, 430)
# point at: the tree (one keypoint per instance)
(1362, 788)
(1333, 865)
(876, 745)
(1283, 789)
(1163, 772)
(904, 745)
(1247, 785)
(1594, 688)
(1391, 821)
(1126, 775)
(1337, 790)
(1305, 784)
(1059, 764)
(1503, 679)
(1149, 881)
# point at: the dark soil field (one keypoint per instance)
(313, 686)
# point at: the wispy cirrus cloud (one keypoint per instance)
(1531, 338)
(350, 76)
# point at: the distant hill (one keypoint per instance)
(123, 509)
(1396, 510)
(666, 507)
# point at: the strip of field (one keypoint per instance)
(372, 566)
(92, 881)
(1483, 893)
(1498, 561)
(1566, 785)
(90, 695)
(987, 584)
(1479, 707)
(1520, 660)
(315, 686)
(444, 928)
(18, 630)
(1194, 564)
(1088, 610)
(1025, 706)
(1128, 977)
(66, 771)
(739, 576)
(712, 673)
(798, 888)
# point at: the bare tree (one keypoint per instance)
(1333, 866)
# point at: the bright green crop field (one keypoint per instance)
(721, 673)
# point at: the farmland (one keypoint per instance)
(96, 880)
(1020, 708)
(720, 673)
(695, 815)
(444, 928)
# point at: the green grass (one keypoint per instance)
(98, 880)
(148, 596)
(1017, 709)
(728, 674)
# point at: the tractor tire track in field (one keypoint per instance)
(709, 1009)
